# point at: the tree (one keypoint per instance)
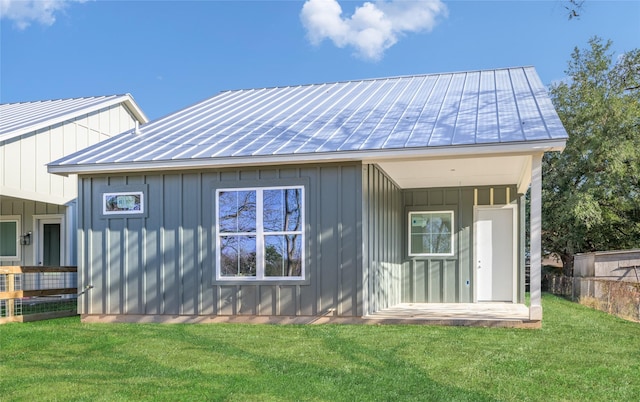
(591, 191)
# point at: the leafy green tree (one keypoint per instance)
(591, 191)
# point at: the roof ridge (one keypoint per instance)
(226, 91)
(393, 77)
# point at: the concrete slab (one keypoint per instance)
(447, 314)
(458, 314)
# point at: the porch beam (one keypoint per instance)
(535, 275)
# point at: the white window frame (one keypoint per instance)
(17, 220)
(123, 212)
(260, 236)
(452, 253)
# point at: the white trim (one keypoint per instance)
(409, 226)
(369, 156)
(260, 235)
(535, 262)
(139, 211)
(70, 221)
(135, 109)
(18, 220)
(514, 208)
(38, 222)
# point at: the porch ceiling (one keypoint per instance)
(464, 171)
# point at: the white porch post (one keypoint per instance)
(535, 274)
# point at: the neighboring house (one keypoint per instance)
(38, 209)
(339, 199)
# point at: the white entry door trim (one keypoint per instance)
(38, 237)
(495, 253)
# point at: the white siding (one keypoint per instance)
(23, 171)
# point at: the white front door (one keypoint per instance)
(495, 253)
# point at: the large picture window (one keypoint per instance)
(9, 232)
(431, 233)
(260, 233)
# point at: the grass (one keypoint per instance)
(580, 354)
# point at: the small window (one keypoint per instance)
(123, 203)
(431, 233)
(260, 233)
(9, 232)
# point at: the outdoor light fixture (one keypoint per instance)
(25, 239)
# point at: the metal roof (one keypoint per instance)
(20, 118)
(333, 120)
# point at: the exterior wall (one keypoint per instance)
(382, 246)
(450, 279)
(26, 210)
(23, 171)
(164, 263)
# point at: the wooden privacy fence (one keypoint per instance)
(37, 293)
(621, 298)
(606, 280)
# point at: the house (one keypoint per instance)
(38, 209)
(342, 199)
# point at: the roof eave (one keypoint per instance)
(368, 156)
(135, 109)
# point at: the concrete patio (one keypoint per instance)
(457, 314)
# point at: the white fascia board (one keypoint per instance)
(126, 99)
(520, 148)
(135, 109)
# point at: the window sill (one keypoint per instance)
(260, 282)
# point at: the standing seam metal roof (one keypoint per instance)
(21, 118)
(466, 108)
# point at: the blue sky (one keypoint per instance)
(171, 54)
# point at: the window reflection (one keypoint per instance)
(238, 255)
(279, 239)
(431, 233)
(283, 255)
(282, 210)
(237, 211)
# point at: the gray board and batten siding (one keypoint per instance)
(163, 262)
(382, 227)
(450, 279)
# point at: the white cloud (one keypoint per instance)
(373, 27)
(25, 12)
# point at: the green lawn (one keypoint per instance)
(580, 354)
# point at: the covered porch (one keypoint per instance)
(487, 166)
